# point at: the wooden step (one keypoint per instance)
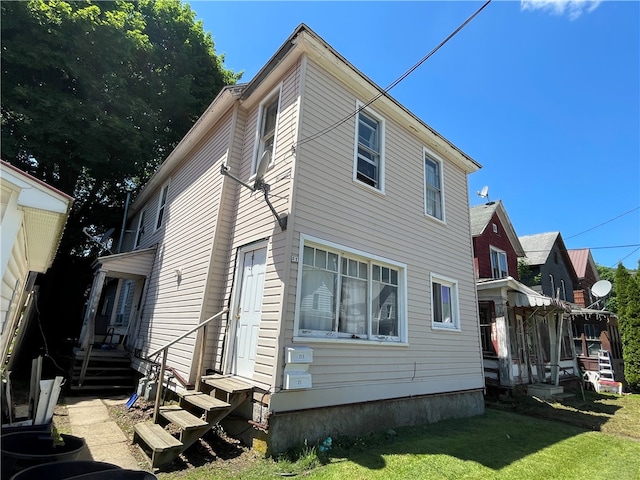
(182, 418)
(213, 408)
(228, 384)
(163, 446)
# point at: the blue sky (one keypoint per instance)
(545, 95)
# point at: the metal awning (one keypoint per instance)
(135, 264)
(524, 296)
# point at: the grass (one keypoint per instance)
(596, 439)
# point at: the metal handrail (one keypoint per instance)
(186, 334)
(165, 349)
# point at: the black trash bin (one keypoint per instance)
(26, 449)
(63, 470)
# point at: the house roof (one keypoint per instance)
(581, 258)
(132, 265)
(538, 246)
(304, 41)
(481, 215)
(44, 210)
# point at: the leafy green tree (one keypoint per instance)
(94, 96)
(628, 287)
(608, 273)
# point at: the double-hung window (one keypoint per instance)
(444, 303)
(433, 197)
(369, 167)
(140, 231)
(498, 263)
(267, 129)
(162, 203)
(350, 296)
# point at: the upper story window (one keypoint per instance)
(552, 282)
(162, 203)
(347, 295)
(563, 290)
(433, 197)
(140, 230)
(498, 263)
(267, 129)
(444, 303)
(369, 161)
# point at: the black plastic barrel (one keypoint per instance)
(117, 475)
(63, 470)
(26, 449)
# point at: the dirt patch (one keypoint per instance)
(214, 447)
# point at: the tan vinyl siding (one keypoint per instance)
(185, 240)
(254, 220)
(331, 206)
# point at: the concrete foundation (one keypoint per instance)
(290, 430)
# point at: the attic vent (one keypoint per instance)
(495, 228)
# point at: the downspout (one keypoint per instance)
(124, 221)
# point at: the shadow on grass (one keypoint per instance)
(496, 439)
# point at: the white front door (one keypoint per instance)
(249, 311)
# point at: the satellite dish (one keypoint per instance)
(263, 164)
(484, 192)
(107, 235)
(601, 288)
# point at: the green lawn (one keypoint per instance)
(498, 445)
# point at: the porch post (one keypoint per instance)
(554, 347)
(88, 326)
(504, 355)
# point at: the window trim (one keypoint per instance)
(140, 230)
(162, 207)
(428, 153)
(455, 325)
(341, 250)
(498, 251)
(258, 150)
(380, 188)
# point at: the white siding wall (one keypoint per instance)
(329, 205)
(185, 242)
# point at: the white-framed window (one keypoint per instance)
(433, 186)
(349, 295)
(369, 151)
(444, 303)
(162, 204)
(563, 290)
(140, 229)
(267, 128)
(552, 282)
(498, 263)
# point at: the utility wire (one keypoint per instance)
(395, 83)
(604, 223)
(626, 256)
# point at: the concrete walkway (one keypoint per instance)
(106, 442)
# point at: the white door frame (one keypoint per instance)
(235, 300)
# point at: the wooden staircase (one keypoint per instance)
(196, 414)
(103, 370)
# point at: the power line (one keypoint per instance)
(604, 223)
(395, 83)
(626, 256)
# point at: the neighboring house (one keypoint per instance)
(524, 334)
(351, 293)
(594, 328)
(33, 217)
(551, 270)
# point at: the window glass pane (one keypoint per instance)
(367, 172)
(385, 274)
(345, 265)
(368, 132)
(321, 259)
(384, 307)
(332, 263)
(317, 305)
(353, 306)
(376, 272)
(446, 305)
(270, 115)
(394, 277)
(353, 268)
(363, 271)
(307, 256)
(437, 302)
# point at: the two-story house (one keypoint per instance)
(328, 227)
(524, 334)
(594, 328)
